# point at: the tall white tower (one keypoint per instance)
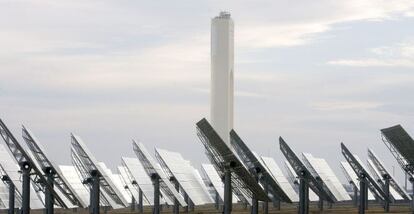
(222, 65)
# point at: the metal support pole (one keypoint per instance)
(156, 181)
(362, 192)
(320, 202)
(355, 194)
(366, 194)
(140, 205)
(255, 205)
(307, 197)
(303, 194)
(191, 206)
(176, 203)
(95, 191)
(133, 203)
(265, 203)
(25, 168)
(276, 204)
(405, 181)
(302, 200)
(217, 201)
(12, 190)
(387, 193)
(227, 192)
(49, 198)
(255, 201)
(89, 181)
(412, 200)
(187, 200)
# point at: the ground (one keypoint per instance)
(240, 209)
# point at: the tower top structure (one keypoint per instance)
(224, 15)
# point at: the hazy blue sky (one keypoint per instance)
(315, 72)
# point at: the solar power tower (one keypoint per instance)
(365, 181)
(28, 168)
(401, 146)
(306, 179)
(228, 166)
(260, 172)
(386, 179)
(52, 172)
(95, 175)
(182, 175)
(159, 179)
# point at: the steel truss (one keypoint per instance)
(29, 171)
(404, 164)
(228, 166)
(175, 182)
(221, 156)
(256, 168)
(306, 179)
(301, 170)
(384, 173)
(85, 177)
(135, 184)
(90, 166)
(320, 181)
(365, 180)
(48, 166)
(157, 177)
(9, 183)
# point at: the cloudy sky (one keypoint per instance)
(315, 72)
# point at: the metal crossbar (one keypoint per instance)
(21, 156)
(299, 168)
(59, 180)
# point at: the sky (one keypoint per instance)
(317, 73)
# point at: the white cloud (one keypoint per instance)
(278, 35)
(372, 62)
(345, 105)
(398, 55)
(158, 66)
(313, 19)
